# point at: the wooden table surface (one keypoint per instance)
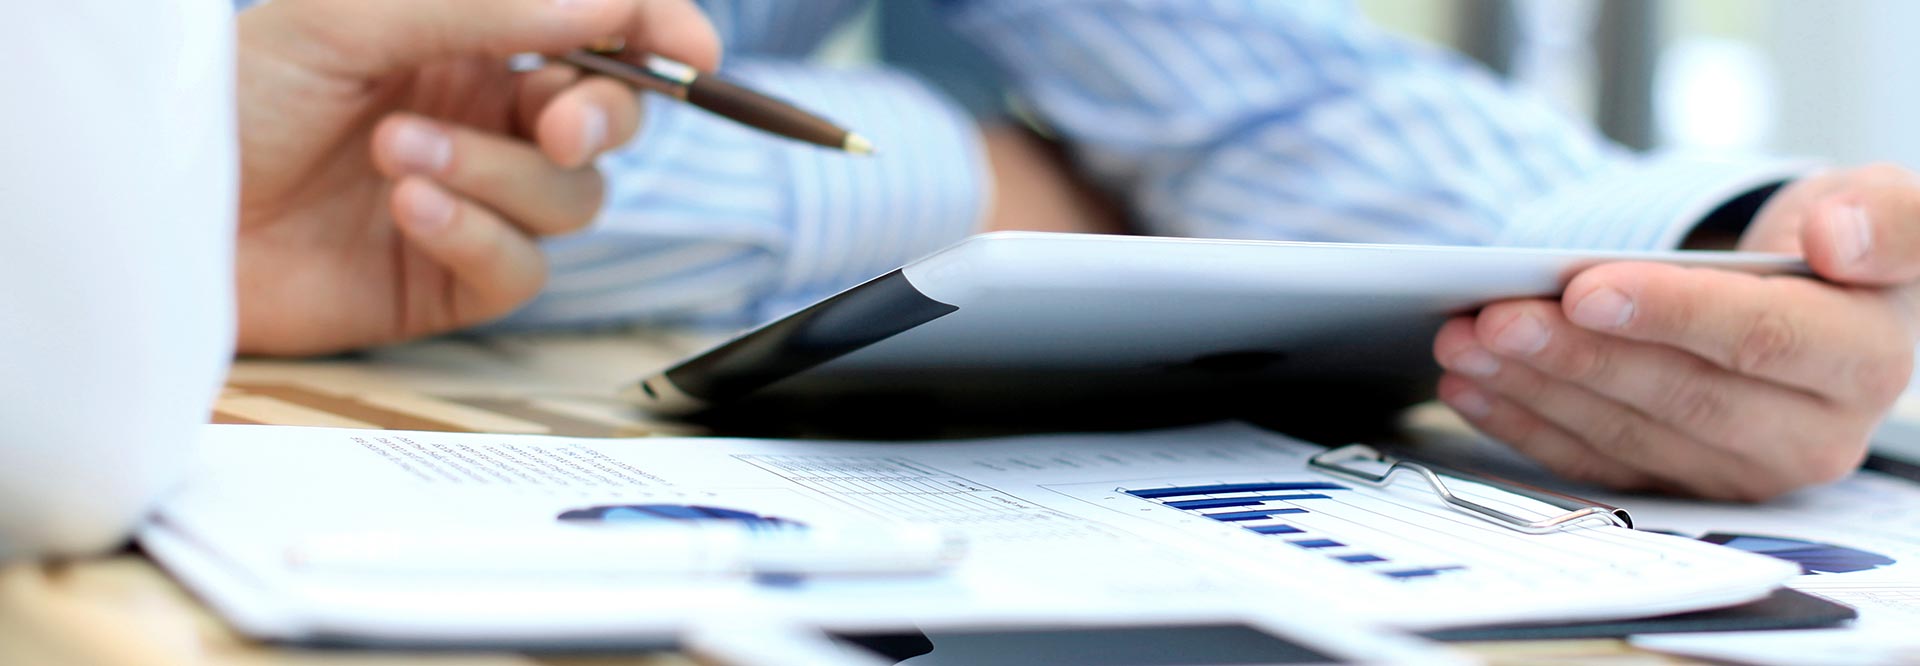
(121, 609)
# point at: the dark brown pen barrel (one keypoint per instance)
(754, 109)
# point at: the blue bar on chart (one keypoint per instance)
(1213, 503)
(1240, 501)
(1261, 514)
(1419, 573)
(1317, 543)
(1179, 491)
(1275, 529)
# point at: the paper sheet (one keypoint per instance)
(1859, 540)
(1207, 519)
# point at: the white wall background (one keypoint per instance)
(1837, 79)
(1848, 75)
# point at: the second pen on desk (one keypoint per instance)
(727, 99)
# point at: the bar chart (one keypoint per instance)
(1281, 510)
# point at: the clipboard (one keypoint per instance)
(1786, 608)
(1346, 463)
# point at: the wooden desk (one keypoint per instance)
(123, 610)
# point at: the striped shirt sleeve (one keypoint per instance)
(1646, 203)
(710, 223)
(777, 28)
(1299, 120)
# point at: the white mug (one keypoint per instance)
(118, 193)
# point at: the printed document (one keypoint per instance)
(1857, 542)
(1216, 519)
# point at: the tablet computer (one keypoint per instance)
(1077, 330)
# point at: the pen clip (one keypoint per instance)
(1338, 462)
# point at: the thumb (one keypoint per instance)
(1871, 238)
(366, 38)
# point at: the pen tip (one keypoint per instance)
(856, 144)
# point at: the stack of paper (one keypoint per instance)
(1220, 519)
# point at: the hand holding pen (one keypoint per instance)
(397, 177)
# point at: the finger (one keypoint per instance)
(508, 176)
(1625, 436)
(1844, 344)
(677, 29)
(1535, 438)
(364, 38)
(1788, 435)
(1868, 234)
(1457, 349)
(1702, 401)
(494, 267)
(592, 116)
(537, 90)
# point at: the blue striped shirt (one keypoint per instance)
(1262, 119)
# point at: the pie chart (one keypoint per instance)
(1812, 556)
(642, 513)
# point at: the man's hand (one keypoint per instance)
(395, 175)
(1725, 385)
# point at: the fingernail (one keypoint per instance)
(429, 210)
(576, 4)
(1474, 363)
(1524, 336)
(1604, 309)
(593, 129)
(420, 147)
(1852, 234)
(1470, 402)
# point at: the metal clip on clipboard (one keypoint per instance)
(1338, 462)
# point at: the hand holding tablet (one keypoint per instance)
(1120, 331)
(1748, 386)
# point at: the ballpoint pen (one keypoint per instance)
(666, 550)
(715, 94)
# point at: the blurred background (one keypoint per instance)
(1822, 79)
(1826, 79)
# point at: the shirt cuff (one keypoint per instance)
(1641, 204)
